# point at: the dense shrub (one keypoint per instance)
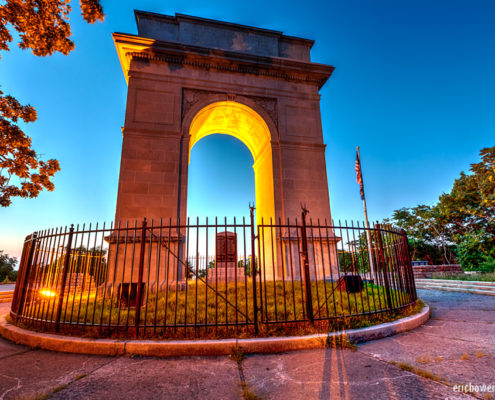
(7, 264)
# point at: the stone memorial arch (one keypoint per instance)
(190, 77)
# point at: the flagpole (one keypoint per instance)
(368, 236)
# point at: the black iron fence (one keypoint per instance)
(210, 278)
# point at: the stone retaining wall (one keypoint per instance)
(426, 271)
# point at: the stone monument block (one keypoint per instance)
(226, 258)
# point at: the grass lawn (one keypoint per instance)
(205, 307)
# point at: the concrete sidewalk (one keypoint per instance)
(457, 345)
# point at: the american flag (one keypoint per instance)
(359, 176)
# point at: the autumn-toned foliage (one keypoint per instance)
(43, 27)
(22, 173)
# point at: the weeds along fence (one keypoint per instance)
(209, 279)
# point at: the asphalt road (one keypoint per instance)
(7, 287)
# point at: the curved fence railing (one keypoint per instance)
(209, 278)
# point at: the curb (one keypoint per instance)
(455, 282)
(451, 285)
(175, 348)
(460, 290)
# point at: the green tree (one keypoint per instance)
(429, 236)
(470, 206)
(474, 252)
(462, 222)
(7, 265)
(43, 27)
(469, 211)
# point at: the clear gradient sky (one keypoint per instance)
(414, 87)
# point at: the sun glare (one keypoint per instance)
(47, 293)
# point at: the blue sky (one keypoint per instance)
(413, 87)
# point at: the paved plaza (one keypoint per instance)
(457, 346)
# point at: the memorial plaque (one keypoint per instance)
(226, 247)
(226, 269)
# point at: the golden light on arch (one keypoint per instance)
(245, 124)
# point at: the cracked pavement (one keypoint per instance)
(457, 345)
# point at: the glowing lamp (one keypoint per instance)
(47, 293)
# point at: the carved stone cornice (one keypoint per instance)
(131, 47)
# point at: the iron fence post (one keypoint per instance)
(307, 277)
(408, 266)
(25, 277)
(383, 266)
(64, 279)
(20, 275)
(140, 277)
(253, 270)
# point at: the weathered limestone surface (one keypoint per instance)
(227, 36)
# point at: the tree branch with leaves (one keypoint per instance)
(43, 27)
(22, 172)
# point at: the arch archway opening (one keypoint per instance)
(220, 178)
(242, 122)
